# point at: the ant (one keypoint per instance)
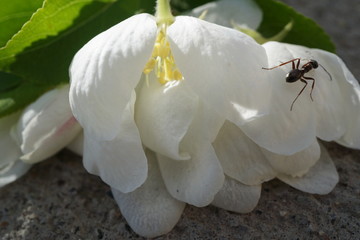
(298, 74)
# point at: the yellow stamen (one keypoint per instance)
(162, 60)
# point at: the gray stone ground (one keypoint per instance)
(57, 199)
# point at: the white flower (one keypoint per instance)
(243, 160)
(11, 168)
(230, 12)
(333, 115)
(287, 139)
(43, 128)
(167, 88)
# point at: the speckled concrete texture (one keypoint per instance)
(58, 199)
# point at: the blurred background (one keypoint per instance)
(58, 199)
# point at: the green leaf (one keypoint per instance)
(13, 15)
(40, 54)
(54, 17)
(305, 31)
(8, 82)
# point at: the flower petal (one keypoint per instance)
(197, 180)
(240, 157)
(228, 12)
(10, 152)
(283, 131)
(11, 168)
(237, 197)
(320, 179)
(46, 126)
(328, 99)
(13, 171)
(221, 65)
(106, 70)
(150, 210)
(121, 162)
(351, 94)
(294, 165)
(77, 145)
(163, 116)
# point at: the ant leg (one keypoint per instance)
(293, 60)
(292, 104)
(298, 64)
(312, 86)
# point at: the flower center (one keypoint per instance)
(162, 61)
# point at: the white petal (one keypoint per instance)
(77, 145)
(163, 116)
(227, 12)
(241, 158)
(237, 197)
(294, 165)
(198, 179)
(121, 162)
(283, 131)
(321, 178)
(150, 210)
(328, 100)
(47, 126)
(195, 181)
(205, 126)
(222, 66)
(10, 151)
(105, 72)
(351, 94)
(13, 171)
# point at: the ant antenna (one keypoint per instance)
(326, 71)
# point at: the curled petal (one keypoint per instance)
(198, 179)
(46, 126)
(13, 171)
(294, 165)
(320, 179)
(351, 94)
(237, 197)
(105, 72)
(163, 116)
(77, 145)
(11, 168)
(229, 12)
(195, 181)
(10, 151)
(240, 157)
(150, 210)
(225, 64)
(121, 162)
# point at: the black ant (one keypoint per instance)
(298, 74)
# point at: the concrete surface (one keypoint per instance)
(58, 199)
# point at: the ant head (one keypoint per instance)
(314, 63)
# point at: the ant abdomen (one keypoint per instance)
(293, 75)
